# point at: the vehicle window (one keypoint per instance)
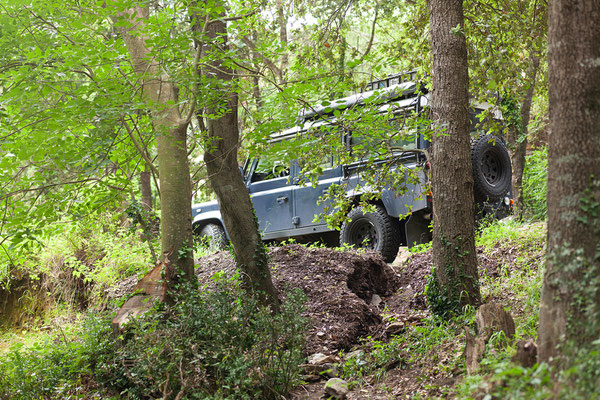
(272, 164)
(389, 135)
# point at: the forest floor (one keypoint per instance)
(369, 322)
(370, 319)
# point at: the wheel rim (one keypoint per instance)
(363, 234)
(490, 168)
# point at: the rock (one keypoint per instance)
(329, 370)
(394, 328)
(526, 353)
(312, 378)
(336, 388)
(376, 300)
(354, 354)
(403, 256)
(320, 358)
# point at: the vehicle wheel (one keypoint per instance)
(492, 173)
(214, 234)
(372, 230)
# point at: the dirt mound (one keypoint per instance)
(412, 278)
(339, 287)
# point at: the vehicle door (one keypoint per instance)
(270, 188)
(307, 195)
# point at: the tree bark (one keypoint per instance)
(518, 140)
(570, 305)
(454, 256)
(146, 189)
(173, 167)
(224, 174)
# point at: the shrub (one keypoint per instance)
(56, 367)
(535, 177)
(211, 344)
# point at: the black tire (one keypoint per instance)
(214, 234)
(492, 172)
(373, 230)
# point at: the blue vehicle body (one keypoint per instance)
(286, 208)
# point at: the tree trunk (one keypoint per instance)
(283, 37)
(173, 167)
(454, 256)
(146, 189)
(224, 174)
(570, 306)
(519, 139)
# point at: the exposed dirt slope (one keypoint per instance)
(339, 287)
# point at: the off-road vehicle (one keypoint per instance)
(286, 206)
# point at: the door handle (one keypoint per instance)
(282, 199)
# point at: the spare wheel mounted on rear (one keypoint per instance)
(492, 172)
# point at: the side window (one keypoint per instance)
(317, 148)
(389, 135)
(272, 164)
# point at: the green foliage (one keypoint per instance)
(407, 350)
(74, 267)
(442, 299)
(535, 178)
(508, 232)
(213, 344)
(57, 366)
(210, 345)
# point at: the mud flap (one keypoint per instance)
(417, 230)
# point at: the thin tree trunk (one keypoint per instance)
(283, 37)
(146, 189)
(519, 139)
(224, 175)
(570, 306)
(173, 167)
(454, 256)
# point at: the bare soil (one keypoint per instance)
(352, 296)
(342, 306)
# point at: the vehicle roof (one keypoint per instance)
(396, 96)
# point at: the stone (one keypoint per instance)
(354, 354)
(320, 358)
(329, 370)
(394, 328)
(336, 388)
(376, 300)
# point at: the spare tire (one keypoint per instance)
(492, 173)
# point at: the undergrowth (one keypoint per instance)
(212, 344)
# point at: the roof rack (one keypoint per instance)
(395, 79)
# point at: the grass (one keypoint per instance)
(434, 348)
(431, 349)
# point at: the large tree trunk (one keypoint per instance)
(518, 140)
(173, 167)
(224, 174)
(570, 308)
(454, 257)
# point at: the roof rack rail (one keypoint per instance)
(395, 79)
